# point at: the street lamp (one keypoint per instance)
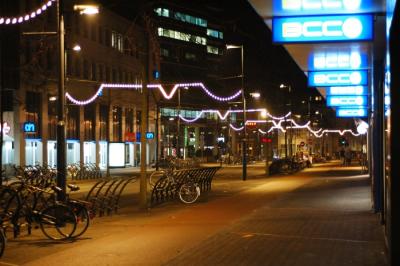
(282, 86)
(61, 154)
(244, 160)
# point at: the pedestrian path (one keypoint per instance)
(316, 217)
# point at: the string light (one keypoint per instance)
(276, 125)
(25, 17)
(99, 92)
(154, 86)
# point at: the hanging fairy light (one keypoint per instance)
(26, 17)
(154, 86)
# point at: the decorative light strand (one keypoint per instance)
(25, 17)
(154, 86)
(99, 92)
(224, 116)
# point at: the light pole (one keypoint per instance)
(244, 148)
(61, 154)
(290, 107)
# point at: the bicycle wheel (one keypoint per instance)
(188, 193)
(57, 222)
(82, 218)
(2, 241)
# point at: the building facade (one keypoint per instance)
(112, 50)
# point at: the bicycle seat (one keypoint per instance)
(73, 187)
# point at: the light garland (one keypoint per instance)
(224, 116)
(154, 86)
(100, 90)
(24, 18)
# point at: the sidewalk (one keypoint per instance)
(320, 216)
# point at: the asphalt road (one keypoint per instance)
(321, 216)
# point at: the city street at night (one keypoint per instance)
(320, 216)
(201, 132)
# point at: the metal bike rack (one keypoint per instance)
(165, 190)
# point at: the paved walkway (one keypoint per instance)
(321, 216)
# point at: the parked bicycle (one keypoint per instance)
(187, 189)
(22, 208)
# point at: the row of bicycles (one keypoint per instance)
(28, 204)
(84, 171)
(180, 183)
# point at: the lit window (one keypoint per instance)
(190, 56)
(117, 41)
(162, 12)
(181, 36)
(213, 50)
(215, 34)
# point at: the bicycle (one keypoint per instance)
(187, 190)
(57, 221)
(3, 241)
(79, 207)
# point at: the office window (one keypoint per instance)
(94, 71)
(103, 117)
(164, 52)
(72, 116)
(117, 41)
(190, 56)
(86, 69)
(215, 34)
(89, 121)
(129, 120)
(190, 19)
(181, 36)
(214, 50)
(117, 123)
(162, 12)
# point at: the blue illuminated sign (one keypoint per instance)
(338, 60)
(149, 135)
(322, 28)
(338, 78)
(308, 7)
(351, 112)
(346, 100)
(348, 90)
(29, 127)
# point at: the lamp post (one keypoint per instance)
(244, 148)
(290, 107)
(61, 153)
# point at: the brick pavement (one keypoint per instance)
(318, 217)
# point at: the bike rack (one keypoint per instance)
(165, 190)
(105, 194)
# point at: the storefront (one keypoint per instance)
(103, 154)
(73, 151)
(8, 144)
(52, 153)
(89, 152)
(33, 152)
